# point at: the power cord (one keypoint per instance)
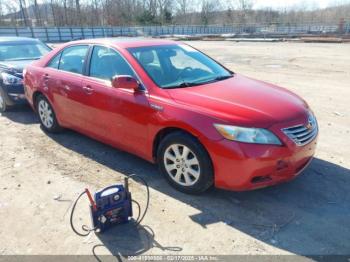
(139, 220)
(83, 227)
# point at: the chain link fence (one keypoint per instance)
(62, 34)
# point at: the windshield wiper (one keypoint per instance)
(183, 84)
(188, 84)
(218, 78)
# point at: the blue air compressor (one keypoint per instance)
(111, 206)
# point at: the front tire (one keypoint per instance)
(47, 115)
(185, 163)
(3, 105)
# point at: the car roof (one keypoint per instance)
(126, 42)
(14, 39)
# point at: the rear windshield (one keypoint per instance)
(22, 51)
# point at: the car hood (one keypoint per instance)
(243, 101)
(15, 66)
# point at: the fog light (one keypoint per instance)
(261, 179)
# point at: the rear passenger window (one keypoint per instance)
(55, 62)
(106, 63)
(73, 58)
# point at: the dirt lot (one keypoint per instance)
(42, 174)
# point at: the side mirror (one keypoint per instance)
(125, 81)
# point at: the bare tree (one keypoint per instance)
(65, 12)
(160, 12)
(77, 5)
(183, 10)
(23, 9)
(1, 12)
(207, 11)
(37, 13)
(53, 12)
(244, 6)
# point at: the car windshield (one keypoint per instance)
(22, 51)
(175, 66)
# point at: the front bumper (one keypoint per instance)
(13, 94)
(242, 166)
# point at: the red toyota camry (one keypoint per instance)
(171, 104)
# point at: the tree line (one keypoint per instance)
(159, 12)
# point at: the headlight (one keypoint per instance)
(247, 135)
(8, 79)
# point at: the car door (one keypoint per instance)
(63, 78)
(115, 112)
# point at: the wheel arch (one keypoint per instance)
(208, 177)
(168, 130)
(35, 96)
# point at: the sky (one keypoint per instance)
(290, 4)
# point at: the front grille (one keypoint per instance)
(303, 134)
(19, 74)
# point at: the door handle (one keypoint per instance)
(46, 77)
(88, 90)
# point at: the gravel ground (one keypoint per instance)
(42, 174)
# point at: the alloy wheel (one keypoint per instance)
(45, 113)
(182, 164)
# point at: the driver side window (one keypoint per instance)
(106, 63)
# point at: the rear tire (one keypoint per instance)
(47, 115)
(185, 163)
